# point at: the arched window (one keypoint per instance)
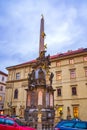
(40, 98)
(16, 94)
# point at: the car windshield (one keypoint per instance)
(81, 125)
(67, 124)
(19, 122)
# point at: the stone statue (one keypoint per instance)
(51, 78)
(48, 60)
(31, 78)
(41, 76)
(33, 75)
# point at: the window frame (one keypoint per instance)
(72, 73)
(1, 88)
(85, 71)
(58, 63)
(0, 98)
(16, 94)
(75, 111)
(74, 90)
(59, 93)
(18, 75)
(71, 61)
(85, 58)
(3, 78)
(58, 75)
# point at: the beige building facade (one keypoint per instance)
(3, 79)
(69, 82)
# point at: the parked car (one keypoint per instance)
(71, 125)
(14, 116)
(7, 123)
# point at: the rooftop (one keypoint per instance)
(68, 53)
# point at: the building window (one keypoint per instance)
(0, 98)
(86, 72)
(74, 92)
(16, 94)
(17, 75)
(28, 100)
(71, 61)
(75, 111)
(47, 99)
(51, 100)
(72, 73)
(59, 92)
(58, 75)
(59, 111)
(85, 58)
(58, 63)
(2, 78)
(1, 88)
(40, 98)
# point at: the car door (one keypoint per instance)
(10, 125)
(2, 124)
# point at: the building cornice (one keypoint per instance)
(20, 80)
(59, 56)
(2, 73)
(2, 83)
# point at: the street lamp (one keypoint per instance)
(9, 104)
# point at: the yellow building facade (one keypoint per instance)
(69, 82)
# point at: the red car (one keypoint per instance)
(12, 124)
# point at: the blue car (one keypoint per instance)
(71, 125)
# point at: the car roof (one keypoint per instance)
(66, 121)
(6, 117)
(63, 121)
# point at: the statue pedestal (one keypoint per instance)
(39, 117)
(39, 126)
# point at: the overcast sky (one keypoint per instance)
(65, 28)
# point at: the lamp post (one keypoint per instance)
(9, 104)
(68, 113)
(21, 110)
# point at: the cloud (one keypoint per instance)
(65, 28)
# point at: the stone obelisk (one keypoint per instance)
(42, 36)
